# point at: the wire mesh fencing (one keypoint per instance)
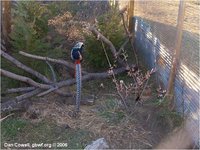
(155, 27)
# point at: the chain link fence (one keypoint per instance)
(155, 27)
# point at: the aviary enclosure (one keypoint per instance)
(136, 78)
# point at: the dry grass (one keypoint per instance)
(126, 133)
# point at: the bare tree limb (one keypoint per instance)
(103, 38)
(122, 47)
(125, 27)
(24, 79)
(6, 117)
(29, 70)
(48, 91)
(108, 42)
(28, 89)
(129, 35)
(59, 92)
(27, 95)
(20, 102)
(90, 76)
(24, 67)
(59, 61)
(17, 102)
(52, 71)
(22, 89)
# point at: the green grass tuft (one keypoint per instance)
(11, 127)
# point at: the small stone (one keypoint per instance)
(98, 144)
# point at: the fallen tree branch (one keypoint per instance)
(24, 67)
(91, 76)
(21, 89)
(29, 70)
(59, 61)
(17, 103)
(59, 92)
(20, 102)
(24, 79)
(48, 91)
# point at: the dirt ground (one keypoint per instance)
(143, 128)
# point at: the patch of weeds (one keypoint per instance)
(113, 117)
(46, 131)
(111, 112)
(167, 117)
(173, 116)
(163, 102)
(11, 127)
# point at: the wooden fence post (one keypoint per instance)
(6, 21)
(130, 15)
(176, 55)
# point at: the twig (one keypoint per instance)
(114, 78)
(52, 71)
(6, 117)
(144, 88)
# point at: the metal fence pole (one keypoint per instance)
(130, 15)
(177, 48)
